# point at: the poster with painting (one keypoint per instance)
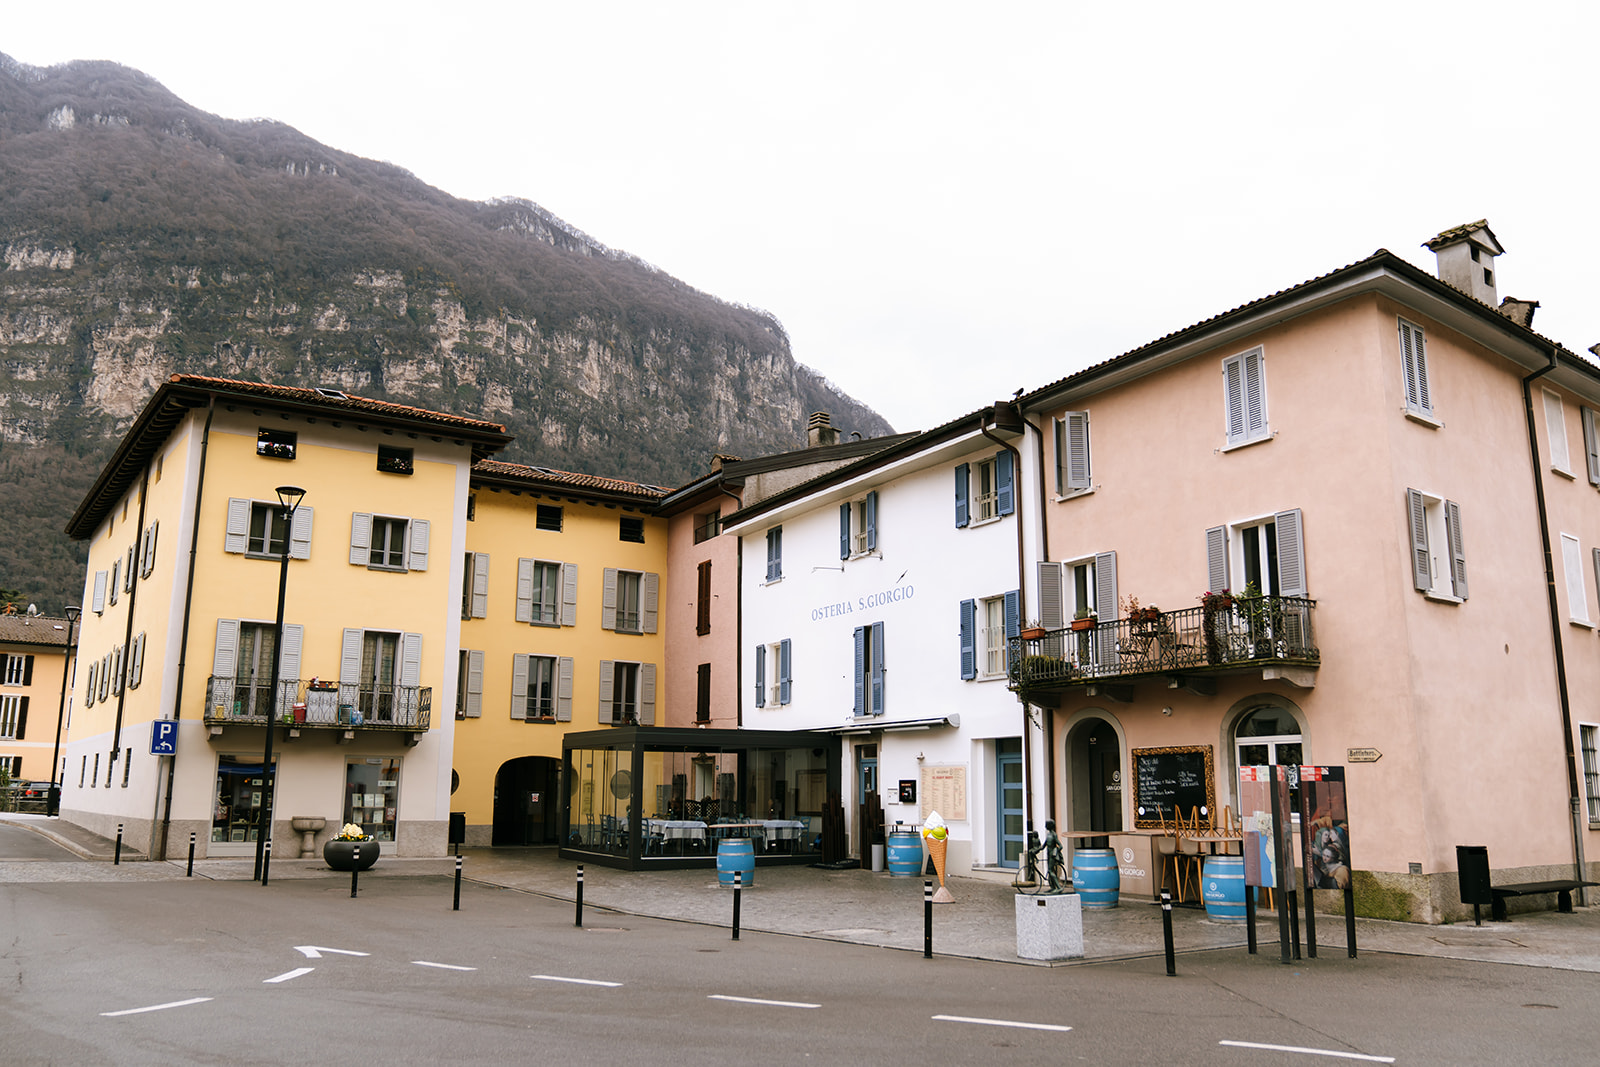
(1325, 827)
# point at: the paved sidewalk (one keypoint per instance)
(857, 906)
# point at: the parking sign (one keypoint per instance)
(164, 738)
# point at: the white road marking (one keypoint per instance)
(575, 981)
(296, 973)
(314, 952)
(770, 1003)
(158, 1007)
(1001, 1022)
(1310, 1051)
(445, 966)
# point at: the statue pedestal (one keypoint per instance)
(1049, 927)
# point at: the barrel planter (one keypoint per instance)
(1095, 877)
(905, 854)
(1222, 886)
(736, 854)
(340, 855)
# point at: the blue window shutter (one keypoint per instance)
(1013, 610)
(783, 671)
(969, 647)
(844, 530)
(877, 668)
(861, 669)
(761, 676)
(872, 521)
(963, 481)
(1003, 477)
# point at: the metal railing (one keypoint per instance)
(1255, 631)
(330, 705)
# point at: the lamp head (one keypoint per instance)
(73, 611)
(290, 496)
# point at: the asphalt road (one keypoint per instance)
(17, 843)
(196, 971)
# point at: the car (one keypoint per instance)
(29, 796)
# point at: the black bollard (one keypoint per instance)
(738, 884)
(1294, 921)
(927, 920)
(1166, 931)
(355, 869)
(1350, 920)
(579, 920)
(190, 872)
(116, 859)
(1250, 916)
(266, 860)
(457, 905)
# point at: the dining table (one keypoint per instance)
(683, 831)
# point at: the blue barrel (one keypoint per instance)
(905, 854)
(1095, 877)
(736, 854)
(1222, 886)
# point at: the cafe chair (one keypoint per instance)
(1167, 860)
(1189, 856)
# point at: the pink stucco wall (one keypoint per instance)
(686, 649)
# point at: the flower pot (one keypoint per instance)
(1083, 624)
(1033, 633)
(341, 855)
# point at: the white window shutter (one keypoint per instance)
(1421, 562)
(1052, 614)
(116, 580)
(608, 600)
(418, 559)
(361, 538)
(1216, 560)
(99, 601)
(236, 537)
(480, 585)
(608, 678)
(1105, 599)
(136, 664)
(149, 562)
(1458, 552)
(105, 675)
(519, 685)
(564, 689)
(289, 654)
(1591, 445)
(127, 568)
(1556, 426)
(569, 594)
(224, 662)
(350, 657)
(1291, 553)
(300, 533)
(1572, 560)
(88, 696)
(647, 694)
(525, 590)
(116, 669)
(474, 701)
(410, 659)
(649, 598)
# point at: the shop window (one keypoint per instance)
(372, 793)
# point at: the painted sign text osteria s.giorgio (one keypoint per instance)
(864, 603)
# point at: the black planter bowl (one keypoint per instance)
(341, 855)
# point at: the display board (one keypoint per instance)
(1165, 780)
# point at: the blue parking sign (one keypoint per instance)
(164, 738)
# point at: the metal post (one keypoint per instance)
(355, 868)
(579, 921)
(1166, 931)
(53, 801)
(738, 884)
(289, 497)
(116, 859)
(457, 905)
(1311, 920)
(1294, 922)
(1350, 920)
(1250, 892)
(266, 861)
(190, 872)
(927, 920)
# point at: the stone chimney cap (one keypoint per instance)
(1476, 232)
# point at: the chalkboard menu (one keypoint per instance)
(1169, 779)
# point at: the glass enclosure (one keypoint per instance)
(371, 792)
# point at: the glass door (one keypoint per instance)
(1009, 806)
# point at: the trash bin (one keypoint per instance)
(877, 858)
(458, 828)
(1472, 869)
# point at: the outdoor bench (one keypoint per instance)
(1562, 887)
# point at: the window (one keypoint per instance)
(858, 526)
(627, 693)
(1590, 736)
(83, 769)
(469, 685)
(13, 717)
(472, 507)
(994, 637)
(1438, 560)
(986, 627)
(384, 671)
(776, 690)
(869, 668)
(702, 693)
(256, 529)
(1414, 365)
(386, 543)
(1245, 392)
(127, 765)
(1072, 453)
(268, 531)
(548, 517)
(775, 554)
(547, 593)
(1267, 553)
(394, 460)
(1269, 735)
(984, 490)
(94, 779)
(19, 670)
(253, 670)
(631, 528)
(1555, 418)
(541, 688)
(1577, 596)
(475, 586)
(372, 795)
(278, 444)
(707, 525)
(628, 601)
(1591, 445)
(702, 612)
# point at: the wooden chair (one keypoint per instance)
(1187, 859)
(1166, 849)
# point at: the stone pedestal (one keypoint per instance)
(307, 826)
(1049, 927)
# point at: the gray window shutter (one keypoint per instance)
(1414, 363)
(608, 680)
(524, 590)
(136, 666)
(1013, 614)
(1105, 598)
(236, 537)
(775, 553)
(861, 668)
(289, 654)
(225, 661)
(761, 676)
(99, 601)
(969, 639)
(1051, 612)
(1077, 443)
(418, 559)
(410, 659)
(1255, 395)
(88, 696)
(844, 530)
(1417, 516)
(564, 689)
(1005, 483)
(1058, 438)
(963, 494)
(784, 679)
(877, 668)
(569, 594)
(116, 670)
(480, 585)
(519, 686)
(1233, 388)
(649, 601)
(1591, 445)
(105, 675)
(300, 533)
(473, 707)
(608, 600)
(1216, 560)
(872, 521)
(1458, 554)
(127, 568)
(647, 694)
(350, 658)
(360, 538)
(116, 579)
(1291, 554)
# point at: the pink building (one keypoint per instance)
(1407, 473)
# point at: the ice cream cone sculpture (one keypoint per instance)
(936, 836)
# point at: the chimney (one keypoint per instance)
(1466, 259)
(1519, 311)
(820, 431)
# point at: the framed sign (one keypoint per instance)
(1166, 780)
(908, 791)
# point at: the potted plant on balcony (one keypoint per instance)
(1213, 605)
(1085, 619)
(1032, 631)
(1262, 620)
(340, 850)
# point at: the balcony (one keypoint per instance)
(334, 706)
(1273, 635)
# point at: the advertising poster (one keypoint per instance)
(1268, 842)
(1325, 824)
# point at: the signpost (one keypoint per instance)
(164, 738)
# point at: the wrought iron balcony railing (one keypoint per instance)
(1256, 631)
(330, 705)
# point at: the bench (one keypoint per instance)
(1562, 887)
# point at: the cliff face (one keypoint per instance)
(141, 237)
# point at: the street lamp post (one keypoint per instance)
(289, 497)
(53, 803)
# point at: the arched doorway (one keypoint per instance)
(1094, 777)
(526, 805)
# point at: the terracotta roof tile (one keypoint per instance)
(22, 629)
(547, 476)
(335, 398)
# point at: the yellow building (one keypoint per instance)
(33, 665)
(186, 534)
(563, 605)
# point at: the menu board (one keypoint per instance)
(944, 790)
(1165, 780)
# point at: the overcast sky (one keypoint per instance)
(943, 203)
